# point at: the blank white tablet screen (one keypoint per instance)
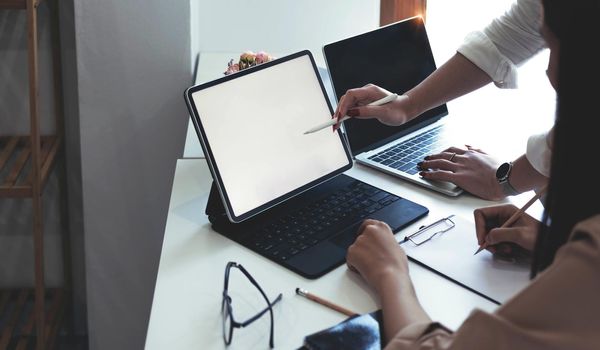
(255, 125)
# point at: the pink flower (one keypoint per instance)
(248, 57)
(263, 57)
(232, 67)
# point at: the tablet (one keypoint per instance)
(251, 128)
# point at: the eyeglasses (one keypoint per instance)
(229, 322)
(426, 233)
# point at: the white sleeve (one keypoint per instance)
(507, 42)
(539, 152)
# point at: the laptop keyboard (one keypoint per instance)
(404, 156)
(318, 221)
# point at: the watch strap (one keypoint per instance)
(507, 188)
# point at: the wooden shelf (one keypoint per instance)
(16, 4)
(34, 315)
(17, 317)
(15, 164)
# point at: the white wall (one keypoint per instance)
(279, 26)
(447, 24)
(133, 64)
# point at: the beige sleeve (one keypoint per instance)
(558, 310)
(421, 336)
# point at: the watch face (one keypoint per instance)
(502, 172)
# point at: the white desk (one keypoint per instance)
(187, 298)
(186, 307)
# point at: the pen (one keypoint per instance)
(514, 217)
(386, 99)
(324, 302)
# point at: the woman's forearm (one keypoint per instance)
(524, 177)
(457, 77)
(399, 305)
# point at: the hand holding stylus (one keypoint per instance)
(354, 103)
(382, 101)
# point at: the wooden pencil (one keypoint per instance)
(514, 217)
(324, 302)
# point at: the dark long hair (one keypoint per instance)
(574, 189)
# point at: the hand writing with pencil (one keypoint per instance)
(488, 221)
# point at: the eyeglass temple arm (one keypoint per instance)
(270, 304)
(269, 307)
(262, 312)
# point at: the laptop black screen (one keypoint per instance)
(396, 57)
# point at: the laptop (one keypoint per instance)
(277, 191)
(395, 57)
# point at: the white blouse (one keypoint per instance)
(500, 48)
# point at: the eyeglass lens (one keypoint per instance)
(227, 322)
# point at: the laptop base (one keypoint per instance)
(446, 188)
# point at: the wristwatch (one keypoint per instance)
(502, 175)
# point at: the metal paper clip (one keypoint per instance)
(426, 233)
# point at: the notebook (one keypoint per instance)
(447, 246)
(396, 57)
(275, 190)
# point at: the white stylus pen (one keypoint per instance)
(387, 99)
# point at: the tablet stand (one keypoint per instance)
(218, 217)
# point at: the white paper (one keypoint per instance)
(451, 254)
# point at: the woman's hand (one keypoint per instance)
(354, 104)
(376, 255)
(383, 264)
(470, 169)
(488, 221)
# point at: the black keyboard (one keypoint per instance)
(404, 156)
(285, 237)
